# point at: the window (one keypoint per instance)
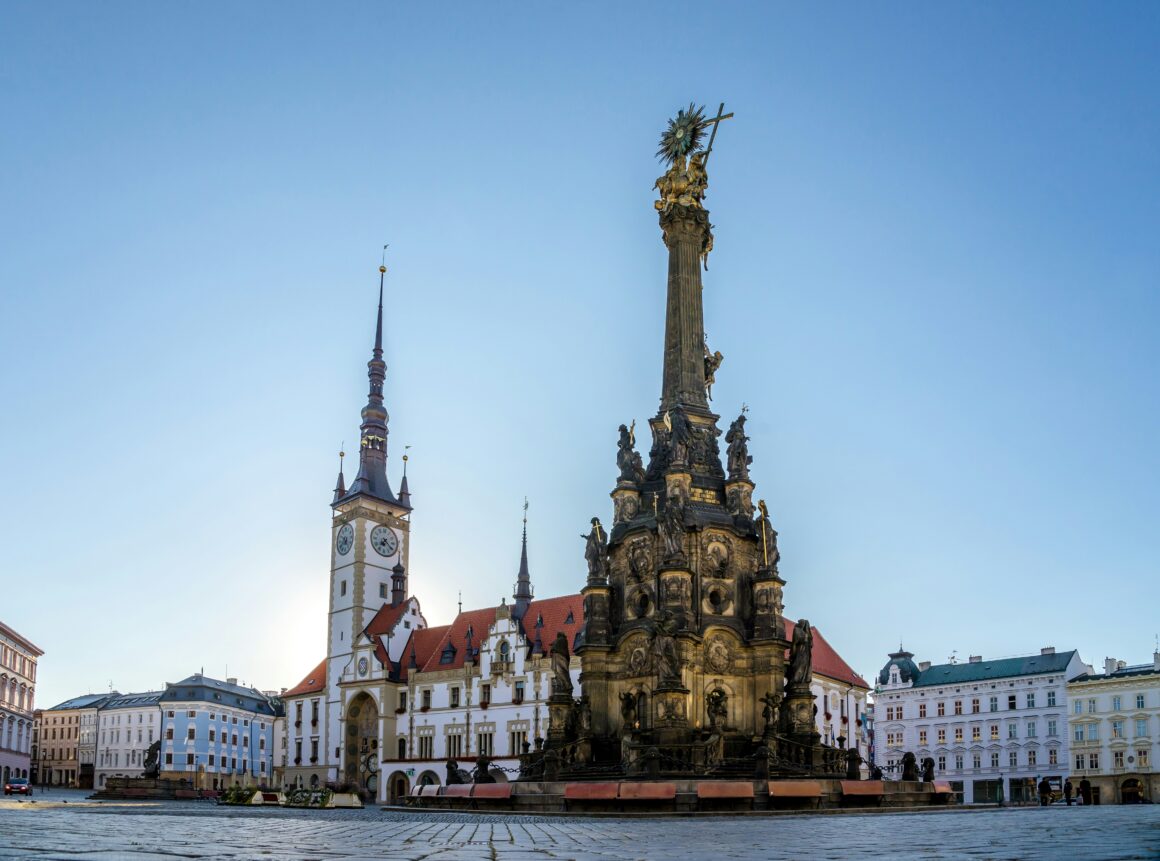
(401, 753)
(1051, 727)
(427, 700)
(314, 750)
(1093, 731)
(1031, 757)
(922, 737)
(1052, 756)
(995, 759)
(1011, 702)
(941, 709)
(1117, 759)
(297, 751)
(1139, 701)
(188, 714)
(976, 761)
(975, 706)
(298, 712)
(976, 733)
(169, 759)
(1115, 704)
(1031, 699)
(485, 695)
(1142, 757)
(516, 739)
(382, 590)
(922, 710)
(1091, 707)
(1031, 729)
(484, 743)
(958, 733)
(1079, 762)
(958, 762)
(1141, 726)
(454, 697)
(1077, 732)
(1012, 731)
(191, 733)
(1051, 699)
(994, 704)
(314, 712)
(518, 693)
(189, 759)
(426, 743)
(454, 746)
(1013, 759)
(942, 736)
(942, 763)
(1094, 761)
(958, 707)
(1078, 708)
(402, 703)
(211, 758)
(342, 587)
(211, 735)
(1117, 729)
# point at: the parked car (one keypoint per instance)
(17, 786)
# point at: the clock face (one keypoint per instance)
(345, 539)
(384, 540)
(362, 666)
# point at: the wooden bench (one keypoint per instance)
(795, 791)
(868, 789)
(492, 790)
(647, 792)
(725, 793)
(589, 793)
(941, 787)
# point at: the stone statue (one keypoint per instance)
(596, 552)
(672, 528)
(928, 770)
(482, 772)
(639, 564)
(679, 434)
(771, 710)
(712, 363)
(801, 655)
(628, 709)
(561, 660)
(455, 774)
(875, 772)
(716, 707)
(767, 538)
(737, 450)
(627, 458)
(664, 649)
(583, 717)
(153, 760)
(853, 764)
(909, 766)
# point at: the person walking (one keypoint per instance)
(1067, 791)
(1044, 793)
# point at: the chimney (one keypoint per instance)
(975, 659)
(1047, 650)
(232, 680)
(1110, 665)
(923, 666)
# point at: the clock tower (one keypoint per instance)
(370, 532)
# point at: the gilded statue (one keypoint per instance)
(767, 535)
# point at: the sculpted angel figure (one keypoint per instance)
(712, 363)
(627, 458)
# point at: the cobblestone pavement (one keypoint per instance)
(140, 831)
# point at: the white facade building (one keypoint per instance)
(1114, 723)
(126, 726)
(993, 728)
(18, 658)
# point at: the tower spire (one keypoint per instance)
(523, 589)
(372, 458)
(340, 485)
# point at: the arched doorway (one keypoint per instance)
(428, 778)
(1131, 791)
(397, 788)
(362, 744)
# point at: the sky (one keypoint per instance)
(936, 285)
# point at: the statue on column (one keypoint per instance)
(712, 363)
(627, 458)
(766, 537)
(672, 528)
(679, 433)
(737, 450)
(716, 707)
(664, 649)
(628, 709)
(596, 552)
(561, 666)
(771, 710)
(801, 655)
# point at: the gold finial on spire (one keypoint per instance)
(383, 264)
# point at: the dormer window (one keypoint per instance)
(571, 619)
(448, 655)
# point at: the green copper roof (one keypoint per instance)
(957, 674)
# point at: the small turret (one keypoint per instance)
(523, 591)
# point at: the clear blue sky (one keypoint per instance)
(936, 283)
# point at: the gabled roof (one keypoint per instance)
(424, 643)
(827, 662)
(314, 682)
(454, 641)
(555, 612)
(384, 621)
(977, 671)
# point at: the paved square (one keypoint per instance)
(50, 828)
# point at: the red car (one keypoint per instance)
(17, 786)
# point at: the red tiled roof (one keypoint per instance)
(314, 682)
(827, 662)
(455, 634)
(555, 612)
(386, 619)
(423, 642)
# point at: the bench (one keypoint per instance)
(647, 792)
(725, 793)
(799, 791)
(868, 789)
(498, 791)
(584, 793)
(941, 787)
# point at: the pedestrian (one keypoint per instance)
(1067, 791)
(1044, 793)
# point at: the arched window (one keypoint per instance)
(504, 651)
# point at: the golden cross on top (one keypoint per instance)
(715, 122)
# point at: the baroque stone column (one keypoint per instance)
(687, 235)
